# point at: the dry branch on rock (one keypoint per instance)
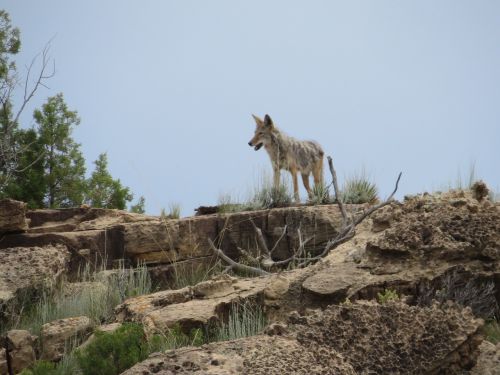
(265, 262)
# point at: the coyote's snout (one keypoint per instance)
(289, 153)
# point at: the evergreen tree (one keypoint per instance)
(10, 44)
(139, 207)
(63, 162)
(28, 182)
(103, 190)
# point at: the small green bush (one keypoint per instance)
(41, 368)
(359, 189)
(491, 331)
(387, 295)
(113, 353)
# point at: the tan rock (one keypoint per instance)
(488, 362)
(22, 351)
(12, 216)
(28, 269)
(57, 335)
(258, 355)
(357, 338)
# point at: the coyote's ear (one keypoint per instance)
(268, 121)
(258, 120)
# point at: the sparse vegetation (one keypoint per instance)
(269, 197)
(320, 195)
(174, 212)
(387, 295)
(176, 338)
(491, 331)
(359, 189)
(476, 293)
(245, 319)
(191, 273)
(96, 298)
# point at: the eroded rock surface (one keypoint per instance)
(24, 270)
(358, 338)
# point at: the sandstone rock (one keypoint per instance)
(358, 338)
(396, 338)
(26, 270)
(202, 304)
(56, 336)
(449, 226)
(176, 240)
(258, 355)
(12, 216)
(488, 362)
(22, 351)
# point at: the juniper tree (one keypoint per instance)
(63, 162)
(103, 190)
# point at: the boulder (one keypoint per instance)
(356, 338)
(26, 270)
(57, 336)
(22, 352)
(12, 216)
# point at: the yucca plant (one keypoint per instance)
(359, 189)
(320, 194)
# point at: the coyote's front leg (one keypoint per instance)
(276, 180)
(296, 196)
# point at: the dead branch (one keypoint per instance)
(265, 261)
(9, 152)
(235, 265)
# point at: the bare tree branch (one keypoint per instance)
(346, 232)
(236, 265)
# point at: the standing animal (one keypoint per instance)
(289, 153)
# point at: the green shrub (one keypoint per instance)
(491, 331)
(113, 353)
(387, 295)
(41, 368)
(359, 189)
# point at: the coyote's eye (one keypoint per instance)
(261, 133)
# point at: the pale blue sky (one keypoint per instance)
(167, 88)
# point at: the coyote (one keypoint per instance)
(290, 154)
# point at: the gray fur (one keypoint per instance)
(289, 153)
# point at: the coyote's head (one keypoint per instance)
(263, 132)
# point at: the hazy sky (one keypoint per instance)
(167, 88)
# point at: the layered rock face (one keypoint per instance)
(61, 241)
